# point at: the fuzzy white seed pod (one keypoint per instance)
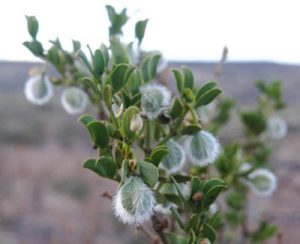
(74, 100)
(134, 202)
(276, 127)
(202, 148)
(155, 99)
(175, 159)
(117, 110)
(262, 181)
(38, 90)
(136, 123)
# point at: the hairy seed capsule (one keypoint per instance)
(38, 90)
(155, 99)
(202, 148)
(134, 202)
(262, 181)
(175, 159)
(74, 100)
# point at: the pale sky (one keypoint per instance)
(253, 30)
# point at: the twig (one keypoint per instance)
(107, 195)
(219, 66)
(159, 225)
(154, 239)
(279, 238)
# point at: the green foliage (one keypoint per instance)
(117, 21)
(111, 76)
(140, 28)
(264, 232)
(149, 67)
(254, 121)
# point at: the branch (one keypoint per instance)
(159, 224)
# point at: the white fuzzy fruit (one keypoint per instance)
(155, 99)
(202, 148)
(134, 202)
(74, 100)
(38, 90)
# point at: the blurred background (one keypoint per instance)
(45, 195)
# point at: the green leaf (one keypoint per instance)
(32, 26)
(99, 64)
(209, 232)
(264, 232)
(91, 164)
(124, 171)
(85, 119)
(90, 83)
(149, 67)
(120, 75)
(193, 223)
(181, 178)
(191, 129)
(53, 56)
(126, 121)
(205, 88)
(182, 198)
(149, 173)
(76, 46)
(35, 47)
(208, 97)
(235, 200)
(175, 239)
(209, 184)
(83, 57)
(140, 30)
(98, 133)
(188, 77)
(197, 185)
(255, 122)
(107, 167)
(117, 20)
(179, 80)
(105, 54)
(107, 95)
(119, 53)
(212, 195)
(172, 198)
(176, 109)
(158, 153)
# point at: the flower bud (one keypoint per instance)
(117, 110)
(136, 123)
(202, 148)
(175, 159)
(134, 202)
(276, 127)
(38, 90)
(155, 99)
(74, 100)
(262, 181)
